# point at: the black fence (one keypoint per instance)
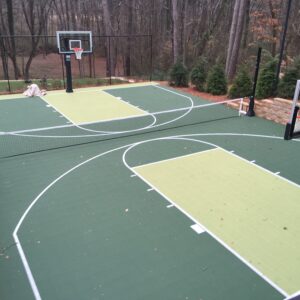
(115, 59)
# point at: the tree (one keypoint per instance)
(216, 81)
(8, 44)
(236, 32)
(266, 23)
(35, 12)
(178, 75)
(199, 74)
(176, 31)
(109, 44)
(242, 85)
(129, 32)
(266, 79)
(287, 84)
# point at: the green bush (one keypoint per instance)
(242, 85)
(57, 84)
(286, 87)
(178, 75)
(199, 74)
(216, 81)
(266, 80)
(159, 75)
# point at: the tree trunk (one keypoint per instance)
(176, 31)
(274, 29)
(4, 59)
(35, 13)
(129, 32)
(184, 32)
(10, 21)
(246, 25)
(236, 31)
(108, 31)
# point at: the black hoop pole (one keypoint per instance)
(251, 112)
(69, 88)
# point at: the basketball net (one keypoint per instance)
(78, 52)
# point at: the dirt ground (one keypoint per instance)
(50, 66)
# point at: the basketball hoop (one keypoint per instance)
(78, 52)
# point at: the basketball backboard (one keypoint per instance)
(68, 40)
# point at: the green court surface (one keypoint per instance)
(154, 98)
(109, 215)
(27, 113)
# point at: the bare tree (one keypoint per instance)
(108, 32)
(9, 43)
(176, 31)
(130, 5)
(35, 12)
(236, 31)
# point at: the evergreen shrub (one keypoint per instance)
(286, 87)
(242, 85)
(266, 80)
(199, 74)
(178, 75)
(216, 81)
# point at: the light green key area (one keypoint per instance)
(254, 212)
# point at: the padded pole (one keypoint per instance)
(68, 73)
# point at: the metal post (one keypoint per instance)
(6, 66)
(109, 60)
(68, 73)
(282, 45)
(151, 59)
(250, 112)
(63, 70)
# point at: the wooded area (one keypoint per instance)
(224, 31)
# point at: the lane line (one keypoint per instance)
(57, 110)
(174, 158)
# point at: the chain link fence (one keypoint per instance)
(115, 59)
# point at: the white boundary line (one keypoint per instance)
(102, 88)
(57, 110)
(293, 296)
(15, 232)
(124, 101)
(128, 85)
(26, 212)
(174, 158)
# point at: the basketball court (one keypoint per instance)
(143, 192)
